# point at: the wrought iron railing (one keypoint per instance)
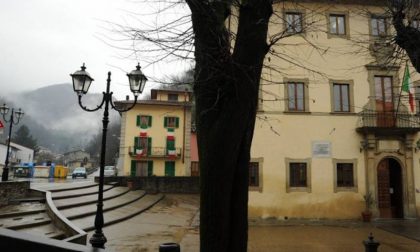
(155, 152)
(375, 119)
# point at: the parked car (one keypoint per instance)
(79, 172)
(110, 171)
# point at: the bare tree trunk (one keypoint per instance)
(226, 91)
(407, 37)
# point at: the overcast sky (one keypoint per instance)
(43, 41)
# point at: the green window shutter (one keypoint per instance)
(177, 122)
(138, 120)
(150, 121)
(149, 145)
(165, 122)
(171, 130)
(150, 168)
(133, 168)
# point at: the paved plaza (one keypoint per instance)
(175, 218)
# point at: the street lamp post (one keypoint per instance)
(81, 84)
(15, 117)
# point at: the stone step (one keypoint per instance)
(78, 192)
(89, 199)
(112, 204)
(21, 209)
(120, 214)
(58, 187)
(45, 230)
(25, 221)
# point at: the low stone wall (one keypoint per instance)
(157, 184)
(13, 190)
(74, 234)
(11, 240)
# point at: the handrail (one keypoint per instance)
(388, 119)
(155, 152)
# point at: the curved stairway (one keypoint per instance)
(77, 203)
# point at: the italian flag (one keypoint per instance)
(139, 153)
(172, 153)
(408, 88)
(143, 131)
(170, 136)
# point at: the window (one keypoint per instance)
(171, 122)
(293, 22)
(378, 26)
(298, 174)
(172, 97)
(383, 93)
(337, 24)
(296, 96)
(144, 121)
(253, 174)
(345, 175)
(142, 146)
(341, 97)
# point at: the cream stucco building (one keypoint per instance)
(331, 126)
(153, 135)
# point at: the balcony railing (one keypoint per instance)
(388, 122)
(155, 152)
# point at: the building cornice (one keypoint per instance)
(155, 102)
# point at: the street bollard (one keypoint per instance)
(371, 245)
(169, 247)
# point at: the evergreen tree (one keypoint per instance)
(23, 137)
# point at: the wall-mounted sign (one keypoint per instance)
(321, 149)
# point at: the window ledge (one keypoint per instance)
(343, 113)
(297, 112)
(255, 189)
(298, 189)
(345, 189)
(343, 36)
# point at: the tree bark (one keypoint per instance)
(226, 93)
(406, 37)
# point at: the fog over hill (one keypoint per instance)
(55, 119)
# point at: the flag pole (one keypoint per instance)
(401, 88)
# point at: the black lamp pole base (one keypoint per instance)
(5, 174)
(98, 240)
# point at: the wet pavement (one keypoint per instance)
(406, 228)
(176, 219)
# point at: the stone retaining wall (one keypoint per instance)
(157, 184)
(13, 190)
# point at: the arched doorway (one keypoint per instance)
(390, 195)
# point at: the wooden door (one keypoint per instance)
(384, 197)
(169, 168)
(195, 169)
